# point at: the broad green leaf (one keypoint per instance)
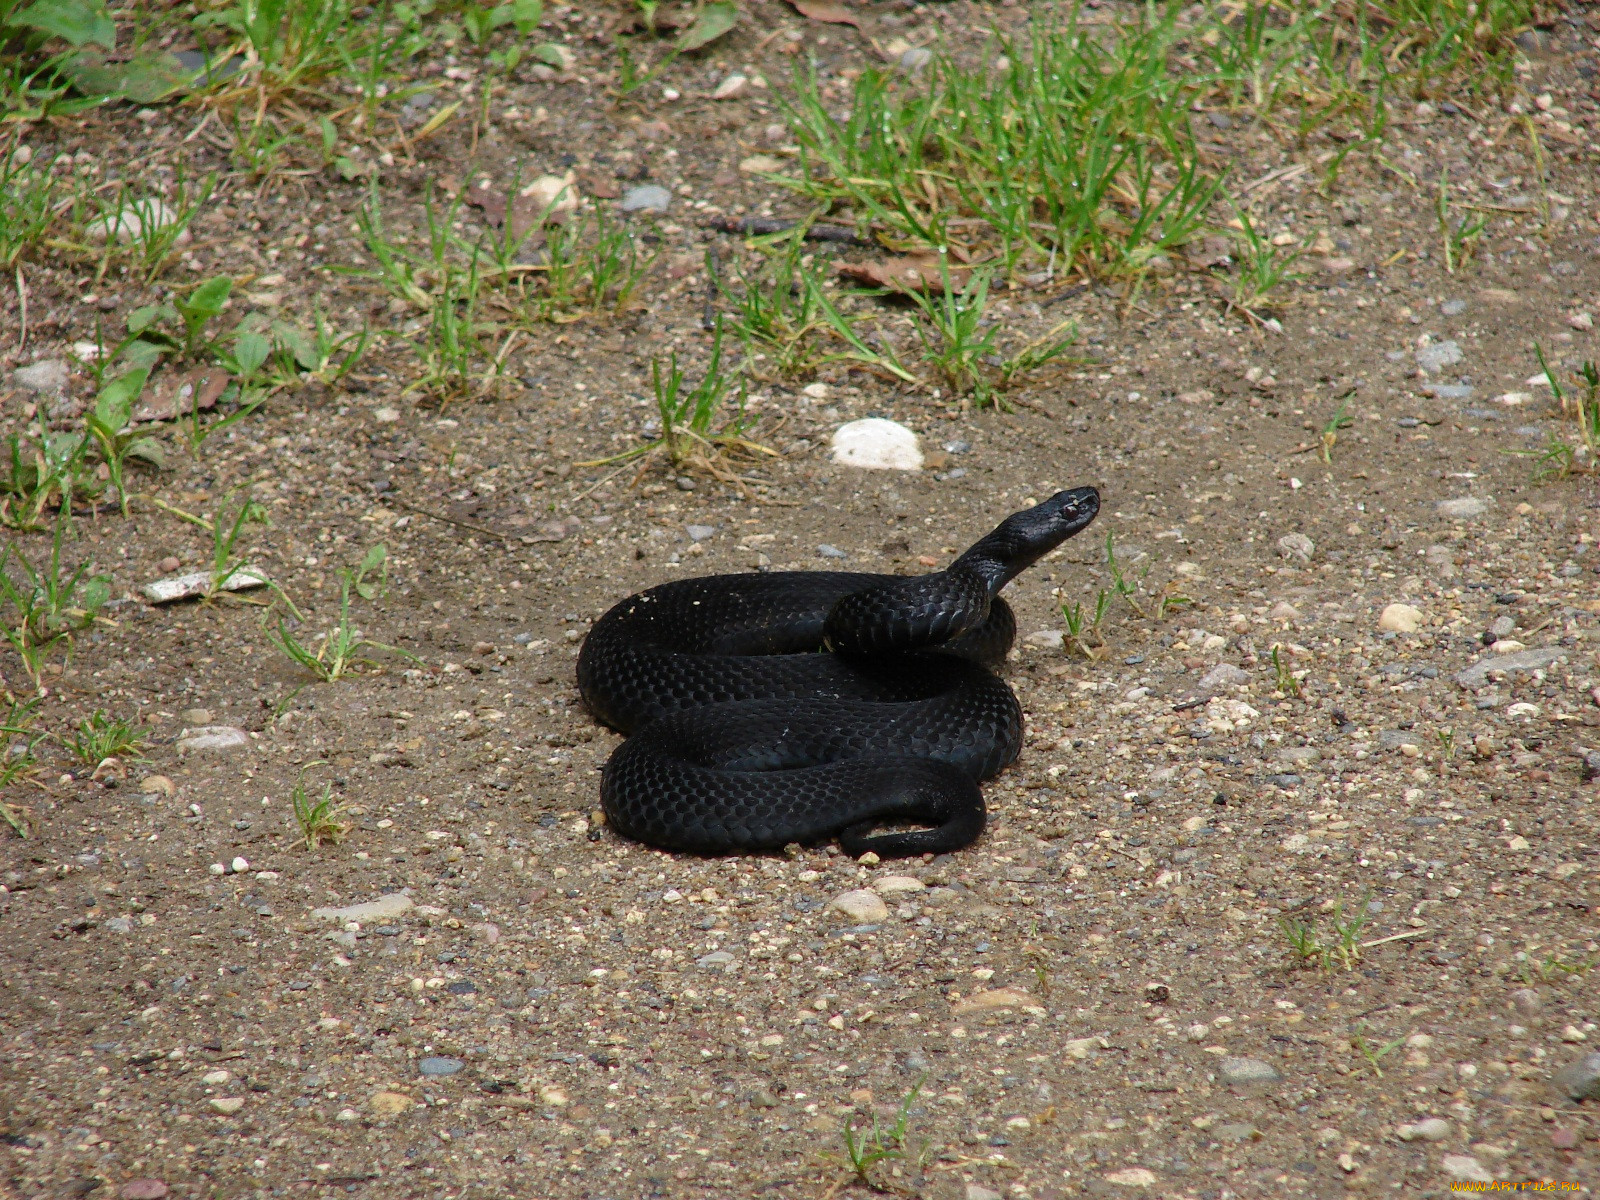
(526, 15)
(206, 301)
(298, 343)
(555, 55)
(713, 21)
(148, 450)
(141, 319)
(144, 79)
(115, 401)
(75, 21)
(95, 593)
(142, 353)
(250, 350)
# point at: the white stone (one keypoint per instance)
(1432, 1129)
(1400, 618)
(1466, 1168)
(877, 444)
(1046, 639)
(134, 221)
(1223, 675)
(895, 885)
(553, 194)
(731, 88)
(1462, 507)
(385, 908)
(1436, 356)
(227, 1105)
(198, 583)
(240, 865)
(47, 377)
(1296, 545)
(213, 738)
(861, 906)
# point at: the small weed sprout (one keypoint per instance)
(1447, 744)
(1121, 585)
(1329, 435)
(1283, 674)
(696, 428)
(16, 757)
(47, 605)
(340, 650)
(39, 474)
(1459, 240)
(1552, 968)
(1342, 946)
(1263, 267)
(868, 1147)
(100, 737)
(318, 818)
(114, 438)
(1374, 1054)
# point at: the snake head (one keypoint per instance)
(1023, 538)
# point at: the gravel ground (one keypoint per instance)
(1097, 999)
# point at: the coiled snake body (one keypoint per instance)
(788, 707)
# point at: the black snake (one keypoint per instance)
(794, 706)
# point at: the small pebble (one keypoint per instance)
(47, 377)
(1432, 1129)
(1580, 1079)
(699, 533)
(1436, 356)
(1296, 545)
(862, 906)
(227, 1105)
(1466, 1168)
(438, 1066)
(143, 1189)
(1247, 1071)
(648, 197)
(1462, 507)
(828, 551)
(1400, 618)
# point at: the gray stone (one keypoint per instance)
(384, 908)
(699, 533)
(647, 197)
(1450, 391)
(438, 1066)
(47, 377)
(1223, 675)
(1580, 1080)
(1528, 1002)
(216, 739)
(1393, 739)
(1240, 1071)
(716, 960)
(1478, 673)
(828, 551)
(1046, 639)
(915, 58)
(1436, 356)
(1465, 1167)
(1502, 627)
(1453, 308)
(1296, 545)
(118, 925)
(1462, 507)
(1431, 1129)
